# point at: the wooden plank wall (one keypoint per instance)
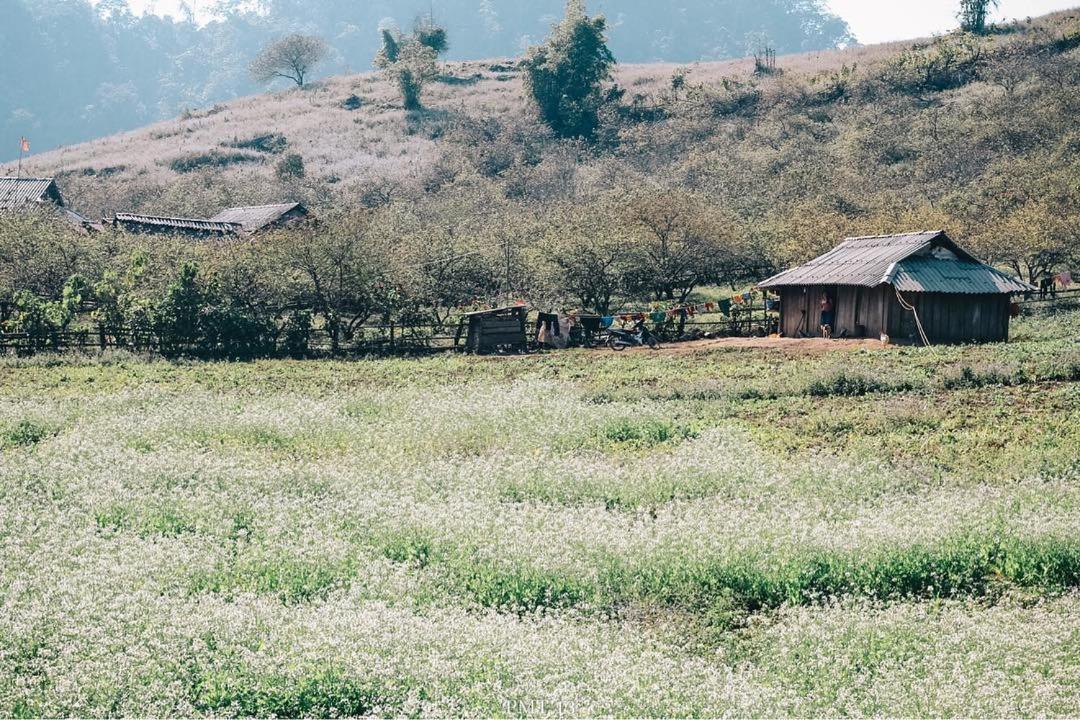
(855, 307)
(953, 318)
(947, 318)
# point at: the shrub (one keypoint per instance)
(103, 172)
(850, 383)
(734, 98)
(271, 143)
(235, 332)
(644, 433)
(291, 166)
(968, 377)
(214, 158)
(297, 336)
(1062, 369)
(353, 102)
(835, 86)
(944, 64)
(24, 433)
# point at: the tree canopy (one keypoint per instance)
(566, 74)
(293, 57)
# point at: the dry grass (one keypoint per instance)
(365, 145)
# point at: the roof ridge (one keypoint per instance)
(895, 235)
(163, 217)
(32, 179)
(257, 207)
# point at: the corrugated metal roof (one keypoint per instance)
(913, 261)
(17, 192)
(932, 275)
(256, 217)
(179, 224)
(856, 261)
(493, 311)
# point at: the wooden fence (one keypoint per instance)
(370, 339)
(1068, 296)
(389, 338)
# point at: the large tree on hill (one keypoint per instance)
(410, 61)
(292, 57)
(973, 14)
(566, 75)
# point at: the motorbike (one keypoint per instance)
(640, 336)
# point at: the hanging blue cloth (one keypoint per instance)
(607, 321)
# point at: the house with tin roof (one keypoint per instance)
(263, 217)
(23, 193)
(162, 225)
(232, 222)
(907, 287)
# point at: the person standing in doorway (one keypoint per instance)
(828, 315)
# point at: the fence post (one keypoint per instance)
(391, 336)
(101, 335)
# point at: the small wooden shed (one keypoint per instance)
(499, 329)
(879, 285)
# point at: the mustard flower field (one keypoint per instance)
(705, 532)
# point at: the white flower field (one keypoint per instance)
(694, 534)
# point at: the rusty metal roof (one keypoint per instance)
(921, 262)
(933, 275)
(495, 311)
(184, 225)
(17, 192)
(257, 217)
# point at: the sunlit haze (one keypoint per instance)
(872, 21)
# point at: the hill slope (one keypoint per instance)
(72, 72)
(978, 135)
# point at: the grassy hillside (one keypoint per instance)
(976, 134)
(712, 175)
(378, 141)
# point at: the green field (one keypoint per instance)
(725, 531)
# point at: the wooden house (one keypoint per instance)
(19, 193)
(160, 225)
(879, 284)
(232, 222)
(260, 218)
(500, 329)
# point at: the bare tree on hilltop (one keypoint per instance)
(292, 57)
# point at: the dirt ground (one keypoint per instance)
(793, 346)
